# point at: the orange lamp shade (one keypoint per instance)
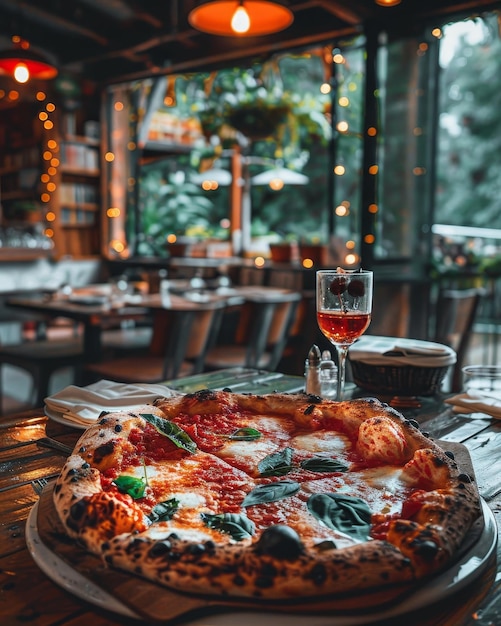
(264, 17)
(34, 64)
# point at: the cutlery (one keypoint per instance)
(38, 485)
(48, 442)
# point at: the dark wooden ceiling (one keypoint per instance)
(116, 40)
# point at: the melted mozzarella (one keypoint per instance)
(382, 488)
(248, 452)
(189, 499)
(162, 531)
(271, 424)
(390, 479)
(321, 441)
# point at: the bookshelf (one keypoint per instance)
(20, 166)
(78, 195)
(50, 181)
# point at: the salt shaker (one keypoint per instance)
(312, 371)
(328, 376)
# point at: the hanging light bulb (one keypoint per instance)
(240, 17)
(21, 73)
(22, 63)
(240, 22)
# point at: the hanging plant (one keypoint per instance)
(258, 119)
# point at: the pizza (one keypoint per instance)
(268, 497)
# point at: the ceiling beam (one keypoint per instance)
(21, 9)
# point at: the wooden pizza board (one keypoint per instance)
(158, 604)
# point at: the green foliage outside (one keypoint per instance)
(274, 112)
(468, 187)
(469, 148)
(236, 104)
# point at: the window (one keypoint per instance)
(393, 134)
(182, 136)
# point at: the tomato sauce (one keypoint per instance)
(209, 431)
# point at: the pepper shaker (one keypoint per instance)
(312, 371)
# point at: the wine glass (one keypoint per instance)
(344, 305)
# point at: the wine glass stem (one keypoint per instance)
(342, 352)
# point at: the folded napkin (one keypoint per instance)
(83, 405)
(376, 350)
(469, 403)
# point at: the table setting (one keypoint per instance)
(246, 380)
(476, 566)
(82, 406)
(464, 424)
(481, 393)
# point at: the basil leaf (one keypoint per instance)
(271, 492)
(164, 511)
(130, 484)
(167, 428)
(276, 464)
(323, 464)
(245, 434)
(238, 526)
(345, 514)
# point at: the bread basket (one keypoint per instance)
(395, 366)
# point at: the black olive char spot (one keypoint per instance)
(427, 549)
(281, 542)
(77, 510)
(103, 451)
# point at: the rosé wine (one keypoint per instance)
(343, 327)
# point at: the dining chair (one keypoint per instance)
(261, 331)
(177, 347)
(455, 314)
(41, 359)
(127, 339)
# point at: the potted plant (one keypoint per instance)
(23, 211)
(285, 249)
(313, 250)
(244, 102)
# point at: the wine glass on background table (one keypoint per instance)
(344, 306)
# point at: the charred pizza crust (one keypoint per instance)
(294, 556)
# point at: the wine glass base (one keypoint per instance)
(404, 402)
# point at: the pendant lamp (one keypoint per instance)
(243, 18)
(278, 177)
(22, 63)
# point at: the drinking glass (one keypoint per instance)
(344, 306)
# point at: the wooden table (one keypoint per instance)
(27, 596)
(95, 315)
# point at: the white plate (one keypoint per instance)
(61, 419)
(471, 565)
(64, 575)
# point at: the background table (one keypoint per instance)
(27, 596)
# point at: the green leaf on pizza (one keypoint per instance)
(245, 434)
(271, 492)
(277, 463)
(167, 428)
(348, 515)
(323, 464)
(131, 485)
(238, 526)
(164, 511)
